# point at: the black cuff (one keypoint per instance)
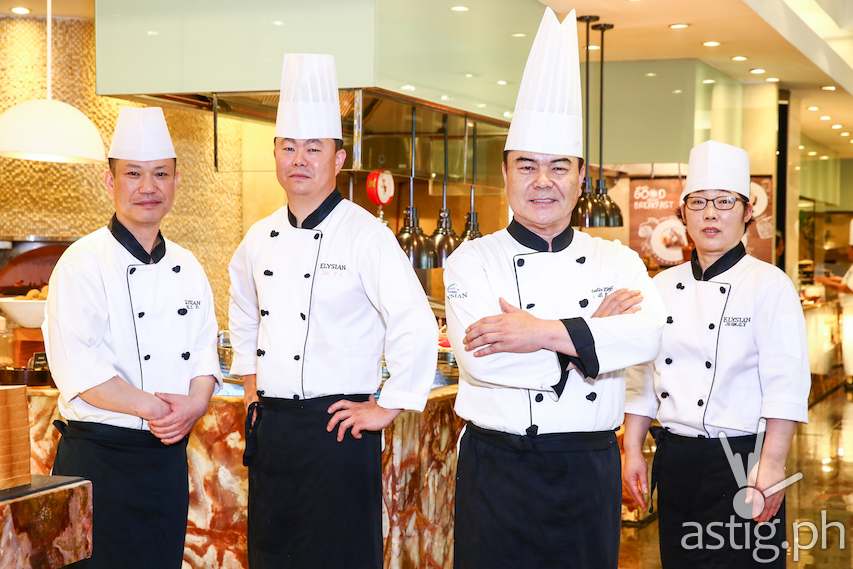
(586, 361)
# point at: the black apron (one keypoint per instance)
(551, 501)
(695, 485)
(314, 503)
(140, 494)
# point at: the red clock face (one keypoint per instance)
(380, 187)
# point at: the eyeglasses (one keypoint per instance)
(722, 203)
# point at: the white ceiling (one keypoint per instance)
(61, 8)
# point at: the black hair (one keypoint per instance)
(112, 163)
(339, 142)
(580, 160)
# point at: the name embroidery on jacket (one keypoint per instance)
(332, 267)
(602, 291)
(736, 321)
(454, 292)
(192, 304)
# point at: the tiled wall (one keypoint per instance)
(39, 198)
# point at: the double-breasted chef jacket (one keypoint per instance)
(545, 392)
(733, 350)
(114, 310)
(314, 307)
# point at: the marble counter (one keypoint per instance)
(418, 463)
(46, 524)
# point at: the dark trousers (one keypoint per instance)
(549, 501)
(140, 494)
(314, 503)
(699, 526)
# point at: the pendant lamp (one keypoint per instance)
(581, 215)
(444, 240)
(48, 130)
(609, 215)
(472, 226)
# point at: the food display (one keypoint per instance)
(34, 294)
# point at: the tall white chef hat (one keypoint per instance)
(308, 106)
(547, 116)
(141, 134)
(717, 166)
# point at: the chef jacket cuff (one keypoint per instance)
(388, 399)
(785, 410)
(244, 365)
(642, 408)
(587, 360)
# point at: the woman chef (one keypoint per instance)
(131, 340)
(733, 355)
(320, 289)
(543, 325)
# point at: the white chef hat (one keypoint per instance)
(141, 134)
(308, 106)
(547, 117)
(717, 166)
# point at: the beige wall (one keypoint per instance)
(54, 199)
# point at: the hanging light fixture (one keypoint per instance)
(472, 227)
(582, 214)
(444, 240)
(48, 130)
(610, 215)
(411, 236)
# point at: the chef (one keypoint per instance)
(844, 286)
(130, 333)
(733, 355)
(320, 290)
(543, 319)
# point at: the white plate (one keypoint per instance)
(759, 199)
(668, 227)
(25, 313)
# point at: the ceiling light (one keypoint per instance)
(152, 33)
(48, 130)
(845, 134)
(481, 105)
(507, 114)
(445, 97)
(828, 87)
(708, 81)
(469, 75)
(677, 92)
(825, 118)
(501, 82)
(757, 71)
(801, 147)
(459, 8)
(837, 126)
(277, 23)
(651, 74)
(851, 141)
(679, 26)
(824, 157)
(407, 87)
(739, 58)
(519, 35)
(812, 153)
(772, 79)
(711, 43)
(814, 109)
(593, 47)
(20, 10)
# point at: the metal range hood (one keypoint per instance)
(377, 134)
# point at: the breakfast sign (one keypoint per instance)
(657, 234)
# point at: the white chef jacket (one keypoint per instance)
(733, 350)
(116, 311)
(516, 393)
(314, 307)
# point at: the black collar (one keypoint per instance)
(129, 242)
(533, 241)
(719, 266)
(317, 216)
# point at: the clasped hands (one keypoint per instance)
(518, 331)
(172, 416)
